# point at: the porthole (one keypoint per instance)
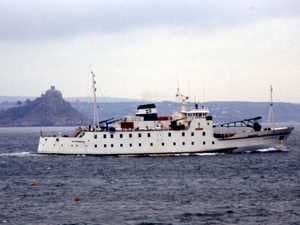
(96, 146)
(104, 136)
(45, 139)
(140, 144)
(121, 135)
(204, 143)
(163, 144)
(105, 145)
(111, 136)
(192, 134)
(213, 142)
(174, 143)
(193, 143)
(183, 143)
(121, 145)
(204, 134)
(183, 134)
(169, 134)
(95, 136)
(130, 145)
(112, 145)
(140, 135)
(130, 135)
(149, 135)
(151, 144)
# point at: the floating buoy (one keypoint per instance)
(34, 183)
(77, 199)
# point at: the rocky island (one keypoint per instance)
(50, 109)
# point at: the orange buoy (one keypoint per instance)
(77, 199)
(34, 183)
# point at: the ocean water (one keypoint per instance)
(254, 188)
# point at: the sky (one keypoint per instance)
(213, 50)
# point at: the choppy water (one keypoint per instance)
(257, 188)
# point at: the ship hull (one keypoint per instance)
(145, 143)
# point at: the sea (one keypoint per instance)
(261, 187)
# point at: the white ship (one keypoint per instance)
(188, 131)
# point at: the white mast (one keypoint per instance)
(271, 112)
(95, 114)
(181, 98)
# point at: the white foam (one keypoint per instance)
(18, 154)
(271, 149)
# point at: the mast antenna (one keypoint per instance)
(95, 113)
(271, 111)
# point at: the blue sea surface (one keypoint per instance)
(257, 188)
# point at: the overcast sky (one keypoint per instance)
(216, 50)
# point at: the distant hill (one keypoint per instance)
(222, 111)
(48, 110)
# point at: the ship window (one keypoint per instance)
(183, 143)
(149, 135)
(45, 139)
(111, 136)
(151, 144)
(112, 145)
(192, 134)
(96, 146)
(121, 145)
(140, 135)
(130, 145)
(163, 144)
(208, 124)
(121, 135)
(204, 142)
(130, 135)
(140, 144)
(95, 136)
(193, 143)
(183, 134)
(174, 143)
(213, 142)
(105, 145)
(104, 136)
(204, 133)
(169, 134)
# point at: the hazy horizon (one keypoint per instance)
(142, 49)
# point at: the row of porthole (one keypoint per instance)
(148, 135)
(151, 144)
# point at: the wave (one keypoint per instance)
(272, 149)
(18, 154)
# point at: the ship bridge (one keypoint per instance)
(196, 113)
